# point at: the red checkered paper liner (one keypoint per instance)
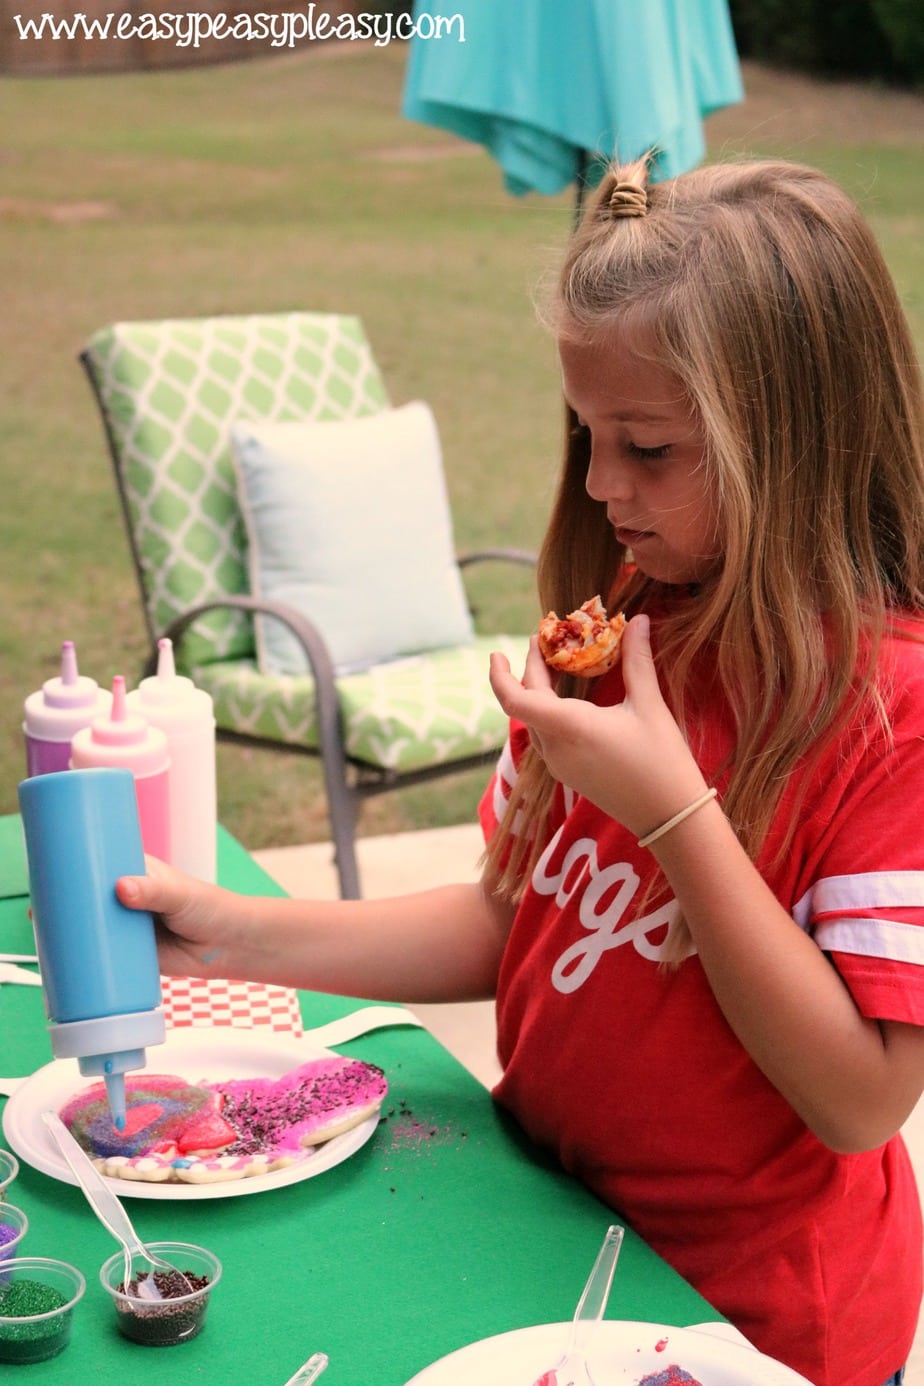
(247, 1005)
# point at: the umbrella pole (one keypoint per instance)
(581, 181)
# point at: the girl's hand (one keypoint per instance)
(630, 760)
(196, 922)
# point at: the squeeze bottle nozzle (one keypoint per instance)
(115, 1093)
(55, 713)
(166, 664)
(69, 673)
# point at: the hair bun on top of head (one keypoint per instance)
(623, 192)
(627, 200)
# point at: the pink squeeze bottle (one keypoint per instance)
(125, 740)
(57, 711)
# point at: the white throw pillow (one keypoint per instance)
(348, 521)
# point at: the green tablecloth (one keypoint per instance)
(445, 1228)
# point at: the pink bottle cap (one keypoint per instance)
(122, 738)
(121, 727)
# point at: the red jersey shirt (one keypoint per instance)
(629, 1072)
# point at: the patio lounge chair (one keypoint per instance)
(240, 443)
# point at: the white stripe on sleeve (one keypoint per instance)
(867, 890)
(873, 938)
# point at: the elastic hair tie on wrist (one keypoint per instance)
(678, 817)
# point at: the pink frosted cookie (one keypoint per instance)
(312, 1104)
(236, 1129)
(163, 1115)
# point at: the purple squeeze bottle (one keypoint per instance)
(126, 740)
(58, 710)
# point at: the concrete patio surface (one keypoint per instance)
(393, 865)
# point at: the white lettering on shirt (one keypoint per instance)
(604, 898)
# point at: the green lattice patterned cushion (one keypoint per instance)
(170, 392)
(427, 710)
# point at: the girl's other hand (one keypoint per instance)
(195, 921)
(631, 760)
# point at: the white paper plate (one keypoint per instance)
(622, 1354)
(194, 1055)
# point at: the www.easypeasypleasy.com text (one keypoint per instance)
(282, 30)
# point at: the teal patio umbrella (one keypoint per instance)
(556, 88)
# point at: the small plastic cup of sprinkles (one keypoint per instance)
(13, 1227)
(177, 1316)
(38, 1297)
(9, 1168)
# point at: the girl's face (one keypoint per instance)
(647, 463)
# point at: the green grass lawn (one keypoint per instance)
(285, 183)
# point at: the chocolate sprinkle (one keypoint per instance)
(160, 1323)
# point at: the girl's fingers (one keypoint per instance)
(503, 683)
(537, 674)
(526, 701)
(638, 669)
(161, 891)
(515, 697)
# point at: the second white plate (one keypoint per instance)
(622, 1353)
(195, 1055)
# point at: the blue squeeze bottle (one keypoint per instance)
(98, 960)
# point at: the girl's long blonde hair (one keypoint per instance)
(768, 297)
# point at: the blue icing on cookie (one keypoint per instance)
(108, 1141)
(173, 1103)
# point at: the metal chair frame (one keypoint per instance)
(347, 780)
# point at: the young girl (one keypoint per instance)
(704, 888)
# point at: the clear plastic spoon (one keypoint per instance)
(140, 1281)
(571, 1368)
(310, 1371)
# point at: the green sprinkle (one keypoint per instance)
(27, 1297)
(36, 1339)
